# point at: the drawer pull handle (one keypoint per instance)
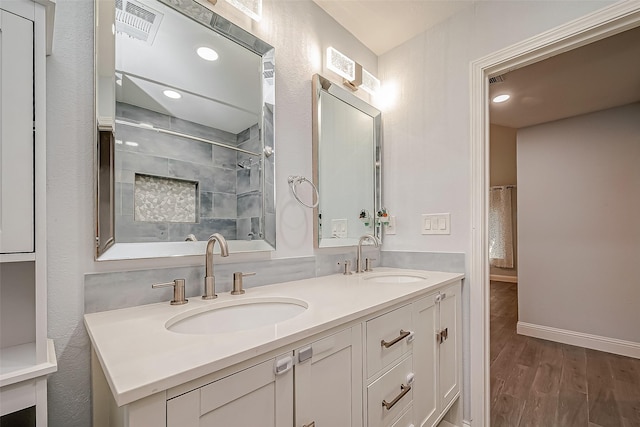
(311, 424)
(403, 335)
(404, 389)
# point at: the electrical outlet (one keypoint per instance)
(390, 228)
(436, 223)
(339, 228)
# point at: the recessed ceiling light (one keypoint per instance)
(501, 98)
(207, 53)
(172, 94)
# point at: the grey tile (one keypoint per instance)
(252, 144)
(224, 180)
(438, 261)
(244, 228)
(243, 136)
(123, 176)
(141, 115)
(202, 230)
(110, 291)
(269, 198)
(142, 163)
(117, 199)
(206, 204)
(224, 205)
(130, 231)
(201, 131)
(127, 199)
(243, 179)
(148, 141)
(199, 173)
(270, 229)
(225, 157)
(249, 205)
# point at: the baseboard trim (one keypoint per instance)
(503, 278)
(594, 342)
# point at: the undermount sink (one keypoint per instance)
(396, 278)
(237, 316)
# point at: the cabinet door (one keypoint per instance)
(16, 134)
(328, 381)
(425, 354)
(450, 348)
(253, 397)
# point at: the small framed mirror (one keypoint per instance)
(185, 115)
(347, 152)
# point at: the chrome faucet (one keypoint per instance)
(371, 237)
(209, 279)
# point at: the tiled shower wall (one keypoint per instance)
(228, 198)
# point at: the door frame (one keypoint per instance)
(598, 25)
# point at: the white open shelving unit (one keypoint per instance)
(27, 356)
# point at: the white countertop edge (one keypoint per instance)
(126, 396)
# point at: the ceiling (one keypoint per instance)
(383, 25)
(601, 75)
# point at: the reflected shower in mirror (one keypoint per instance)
(347, 169)
(194, 102)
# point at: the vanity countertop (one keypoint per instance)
(140, 357)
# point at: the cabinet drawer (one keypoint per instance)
(390, 395)
(406, 419)
(383, 345)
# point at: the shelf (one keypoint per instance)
(31, 256)
(18, 363)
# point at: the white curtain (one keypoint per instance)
(500, 228)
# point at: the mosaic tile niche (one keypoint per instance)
(216, 194)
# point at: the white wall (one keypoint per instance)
(299, 30)
(426, 123)
(579, 189)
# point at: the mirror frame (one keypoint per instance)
(107, 248)
(321, 84)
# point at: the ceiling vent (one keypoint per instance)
(137, 20)
(496, 79)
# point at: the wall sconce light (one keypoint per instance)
(251, 8)
(354, 75)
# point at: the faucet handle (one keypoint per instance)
(367, 264)
(237, 282)
(347, 267)
(178, 291)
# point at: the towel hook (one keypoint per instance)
(294, 181)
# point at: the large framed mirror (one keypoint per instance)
(347, 152)
(188, 100)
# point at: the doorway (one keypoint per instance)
(604, 23)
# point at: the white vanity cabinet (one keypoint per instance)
(370, 359)
(328, 381)
(437, 353)
(261, 395)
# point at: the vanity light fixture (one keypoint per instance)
(354, 75)
(251, 8)
(207, 53)
(131, 143)
(501, 98)
(341, 64)
(369, 84)
(172, 94)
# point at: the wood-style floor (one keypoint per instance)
(546, 384)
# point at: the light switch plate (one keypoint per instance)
(390, 228)
(436, 223)
(339, 228)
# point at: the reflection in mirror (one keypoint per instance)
(347, 169)
(194, 102)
